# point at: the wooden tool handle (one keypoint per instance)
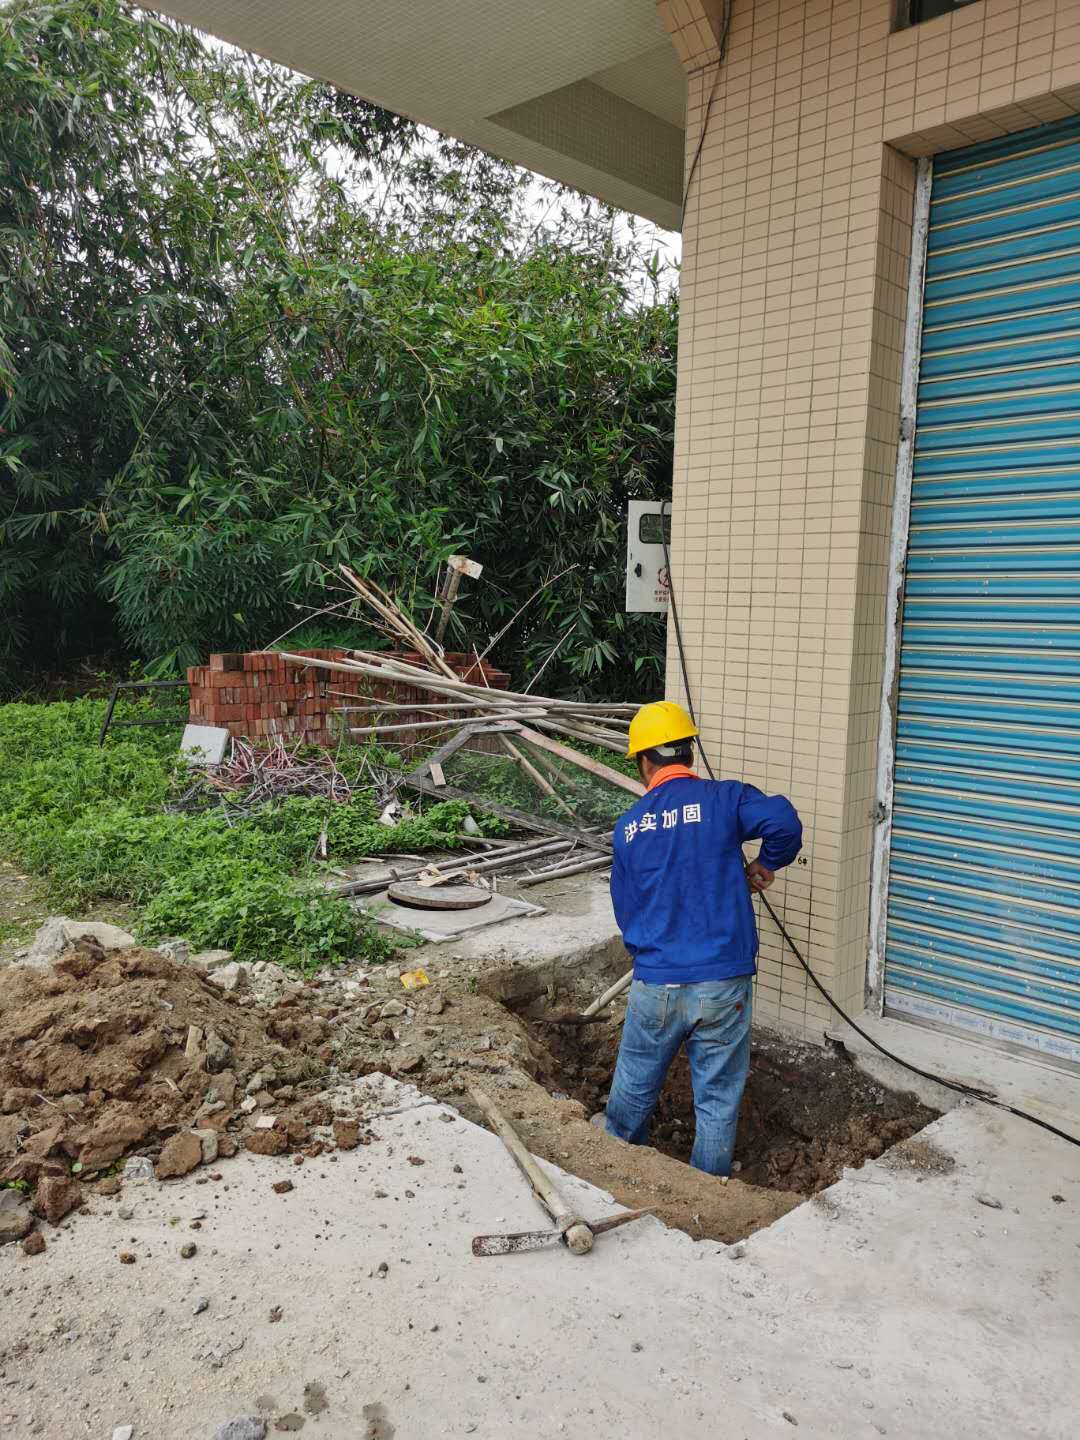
(609, 995)
(578, 1236)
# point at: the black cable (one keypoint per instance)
(957, 1085)
(708, 111)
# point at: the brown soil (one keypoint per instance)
(95, 1062)
(806, 1113)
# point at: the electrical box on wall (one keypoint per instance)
(647, 586)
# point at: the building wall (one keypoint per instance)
(795, 265)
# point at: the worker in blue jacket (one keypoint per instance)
(682, 897)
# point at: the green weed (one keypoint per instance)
(91, 822)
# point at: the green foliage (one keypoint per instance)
(91, 822)
(250, 329)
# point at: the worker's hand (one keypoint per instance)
(759, 876)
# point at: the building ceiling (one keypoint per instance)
(589, 92)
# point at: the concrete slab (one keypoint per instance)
(204, 744)
(894, 1304)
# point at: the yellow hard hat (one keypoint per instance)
(661, 723)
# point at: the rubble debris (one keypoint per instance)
(179, 1156)
(34, 1244)
(209, 959)
(55, 1197)
(202, 1303)
(282, 1187)
(210, 1143)
(123, 1432)
(266, 1142)
(218, 1052)
(231, 977)
(106, 1052)
(990, 1201)
(126, 1257)
(346, 1134)
(244, 1427)
(16, 1221)
(58, 932)
(469, 710)
(189, 1251)
(174, 947)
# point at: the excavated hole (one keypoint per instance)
(807, 1113)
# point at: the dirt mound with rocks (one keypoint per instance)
(108, 1053)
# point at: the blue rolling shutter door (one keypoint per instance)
(984, 890)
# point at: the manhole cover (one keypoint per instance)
(439, 897)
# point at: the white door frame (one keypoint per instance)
(901, 524)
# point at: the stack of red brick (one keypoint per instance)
(258, 694)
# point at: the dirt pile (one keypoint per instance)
(106, 1053)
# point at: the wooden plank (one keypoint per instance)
(585, 762)
(591, 738)
(446, 723)
(436, 772)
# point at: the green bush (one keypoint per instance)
(91, 822)
(240, 344)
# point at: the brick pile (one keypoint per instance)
(257, 695)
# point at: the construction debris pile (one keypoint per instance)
(527, 732)
(105, 1053)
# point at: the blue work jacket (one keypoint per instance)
(677, 884)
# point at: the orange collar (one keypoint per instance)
(671, 772)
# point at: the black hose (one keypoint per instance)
(958, 1086)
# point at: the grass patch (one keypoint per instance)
(92, 823)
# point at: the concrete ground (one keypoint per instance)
(898, 1302)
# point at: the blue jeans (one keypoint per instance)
(713, 1021)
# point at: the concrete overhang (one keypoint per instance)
(589, 92)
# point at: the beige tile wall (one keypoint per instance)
(795, 264)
